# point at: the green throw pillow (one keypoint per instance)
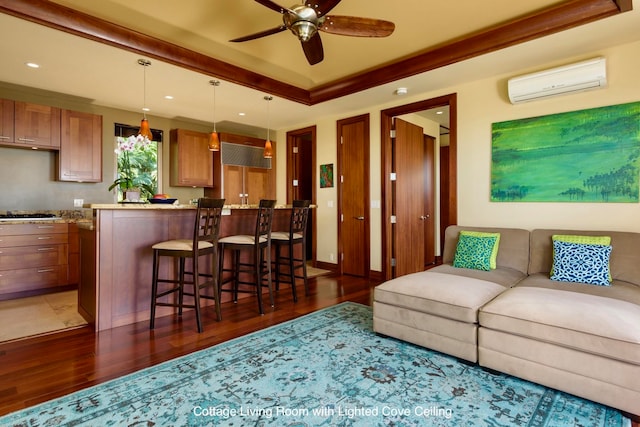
(494, 251)
(581, 240)
(474, 252)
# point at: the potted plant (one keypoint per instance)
(133, 178)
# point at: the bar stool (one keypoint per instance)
(259, 245)
(295, 236)
(204, 242)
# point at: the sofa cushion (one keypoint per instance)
(576, 262)
(590, 322)
(446, 295)
(475, 252)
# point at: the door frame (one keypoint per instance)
(386, 117)
(291, 138)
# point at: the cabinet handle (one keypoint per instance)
(26, 140)
(46, 270)
(5, 137)
(46, 249)
(45, 238)
(45, 226)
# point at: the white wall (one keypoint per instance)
(481, 103)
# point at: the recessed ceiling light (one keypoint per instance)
(146, 109)
(241, 114)
(439, 112)
(168, 97)
(401, 91)
(32, 65)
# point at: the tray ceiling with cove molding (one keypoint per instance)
(206, 26)
(434, 45)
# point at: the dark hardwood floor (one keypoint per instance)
(39, 369)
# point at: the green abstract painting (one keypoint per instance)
(581, 156)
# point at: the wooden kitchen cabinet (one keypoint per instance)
(191, 160)
(73, 277)
(240, 184)
(80, 156)
(34, 259)
(37, 126)
(7, 120)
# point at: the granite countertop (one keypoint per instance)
(75, 216)
(158, 206)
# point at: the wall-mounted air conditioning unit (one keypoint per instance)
(578, 77)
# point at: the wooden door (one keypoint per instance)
(37, 125)
(353, 181)
(80, 157)
(409, 227)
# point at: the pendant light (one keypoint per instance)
(145, 131)
(268, 151)
(214, 137)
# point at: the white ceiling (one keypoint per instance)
(111, 77)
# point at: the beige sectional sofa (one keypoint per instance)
(579, 338)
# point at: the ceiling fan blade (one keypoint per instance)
(271, 5)
(356, 26)
(260, 34)
(313, 49)
(322, 7)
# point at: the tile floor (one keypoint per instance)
(37, 315)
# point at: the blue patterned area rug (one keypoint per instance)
(327, 368)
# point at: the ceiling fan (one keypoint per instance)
(306, 20)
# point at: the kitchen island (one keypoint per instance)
(117, 259)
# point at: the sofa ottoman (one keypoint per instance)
(580, 338)
(438, 308)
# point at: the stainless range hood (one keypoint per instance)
(243, 155)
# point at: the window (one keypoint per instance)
(137, 164)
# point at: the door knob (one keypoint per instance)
(424, 217)
(359, 218)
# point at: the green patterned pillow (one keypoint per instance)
(474, 252)
(581, 240)
(494, 251)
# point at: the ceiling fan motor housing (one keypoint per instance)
(302, 21)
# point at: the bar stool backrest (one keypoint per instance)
(264, 220)
(208, 219)
(299, 217)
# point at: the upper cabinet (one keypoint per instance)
(80, 157)
(191, 160)
(6, 120)
(37, 126)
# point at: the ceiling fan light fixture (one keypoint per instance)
(304, 30)
(214, 137)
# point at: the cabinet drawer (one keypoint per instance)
(33, 257)
(29, 279)
(33, 240)
(18, 229)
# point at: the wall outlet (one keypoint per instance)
(77, 203)
(331, 257)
